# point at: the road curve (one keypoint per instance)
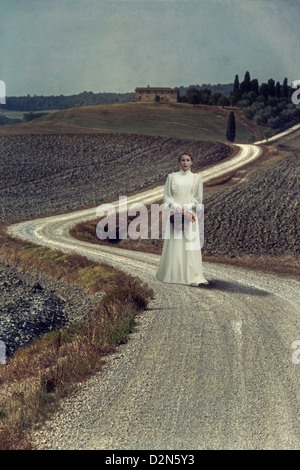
(37, 231)
(206, 368)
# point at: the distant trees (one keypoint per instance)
(41, 103)
(285, 89)
(196, 95)
(193, 95)
(248, 91)
(235, 94)
(223, 101)
(245, 86)
(268, 105)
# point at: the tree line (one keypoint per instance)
(40, 103)
(241, 94)
(204, 95)
(269, 104)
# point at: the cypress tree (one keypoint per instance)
(230, 131)
(271, 87)
(255, 86)
(235, 92)
(278, 90)
(245, 86)
(285, 90)
(264, 91)
(236, 84)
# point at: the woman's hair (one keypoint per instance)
(185, 153)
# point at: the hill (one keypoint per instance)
(43, 174)
(88, 98)
(176, 120)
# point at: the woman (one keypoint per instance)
(180, 261)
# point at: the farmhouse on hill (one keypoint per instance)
(162, 95)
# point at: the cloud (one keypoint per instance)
(68, 46)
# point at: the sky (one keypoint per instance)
(54, 47)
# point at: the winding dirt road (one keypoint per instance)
(206, 368)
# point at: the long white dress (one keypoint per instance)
(181, 261)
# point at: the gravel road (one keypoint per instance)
(206, 368)
(42, 174)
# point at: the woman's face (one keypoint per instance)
(185, 162)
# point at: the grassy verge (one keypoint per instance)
(35, 379)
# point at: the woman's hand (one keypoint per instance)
(188, 215)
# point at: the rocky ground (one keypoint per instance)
(259, 217)
(32, 305)
(44, 174)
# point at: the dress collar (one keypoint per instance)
(187, 172)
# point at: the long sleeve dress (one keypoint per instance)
(181, 261)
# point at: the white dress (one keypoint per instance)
(181, 261)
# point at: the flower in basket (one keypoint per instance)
(181, 219)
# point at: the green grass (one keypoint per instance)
(173, 120)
